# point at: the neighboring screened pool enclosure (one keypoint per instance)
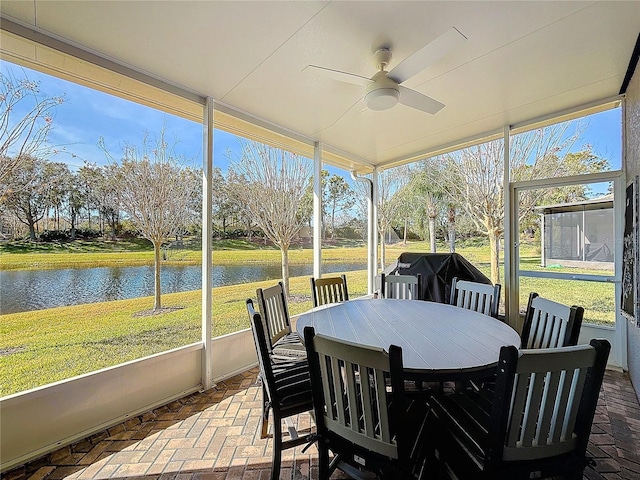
(578, 234)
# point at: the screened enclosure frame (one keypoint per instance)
(40, 420)
(617, 334)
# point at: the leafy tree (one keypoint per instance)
(26, 117)
(272, 187)
(428, 198)
(75, 201)
(339, 198)
(156, 193)
(28, 196)
(59, 177)
(224, 207)
(576, 163)
(108, 195)
(306, 204)
(88, 177)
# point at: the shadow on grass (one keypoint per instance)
(77, 246)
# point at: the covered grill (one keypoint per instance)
(437, 270)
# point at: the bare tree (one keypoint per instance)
(473, 177)
(25, 121)
(272, 188)
(390, 183)
(451, 226)
(156, 193)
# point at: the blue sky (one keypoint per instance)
(86, 115)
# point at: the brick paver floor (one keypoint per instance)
(215, 435)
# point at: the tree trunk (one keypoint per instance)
(382, 251)
(494, 244)
(432, 233)
(333, 223)
(406, 227)
(284, 251)
(451, 229)
(32, 230)
(156, 250)
(73, 219)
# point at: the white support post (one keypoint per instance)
(317, 209)
(510, 239)
(371, 257)
(620, 347)
(207, 234)
(543, 235)
(373, 228)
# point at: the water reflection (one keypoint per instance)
(24, 290)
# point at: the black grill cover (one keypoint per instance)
(437, 270)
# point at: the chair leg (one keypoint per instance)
(277, 447)
(266, 406)
(324, 471)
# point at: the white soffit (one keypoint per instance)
(29, 54)
(522, 60)
(26, 52)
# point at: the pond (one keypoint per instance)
(25, 290)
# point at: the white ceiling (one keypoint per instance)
(522, 60)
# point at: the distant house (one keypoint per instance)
(579, 234)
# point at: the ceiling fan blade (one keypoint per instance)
(416, 100)
(338, 75)
(427, 55)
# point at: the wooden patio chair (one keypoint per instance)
(362, 414)
(286, 391)
(535, 424)
(275, 314)
(549, 324)
(329, 290)
(406, 287)
(475, 296)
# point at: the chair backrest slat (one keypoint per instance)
(351, 379)
(548, 411)
(550, 324)
(404, 287)
(546, 396)
(329, 290)
(273, 307)
(475, 296)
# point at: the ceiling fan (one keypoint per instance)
(384, 89)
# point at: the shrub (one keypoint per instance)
(54, 235)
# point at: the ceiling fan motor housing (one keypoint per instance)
(382, 93)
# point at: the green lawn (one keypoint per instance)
(45, 346)
(101, 253)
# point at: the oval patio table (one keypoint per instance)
(439, 341)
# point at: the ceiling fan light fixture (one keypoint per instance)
(382, 98)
